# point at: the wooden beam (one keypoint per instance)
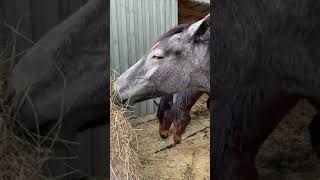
(189, 11)
(192, 12)
(186, 20)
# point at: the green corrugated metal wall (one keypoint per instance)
(135, 24)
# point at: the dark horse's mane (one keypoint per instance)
(181, 99)
(177, 29)
(164, 105)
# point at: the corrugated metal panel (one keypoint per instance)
(37, 17)
(135, 24)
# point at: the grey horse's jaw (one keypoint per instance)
(141, 91)
(120, 99)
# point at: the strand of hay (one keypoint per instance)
(19, 159)
(124, 162)
(174, 144)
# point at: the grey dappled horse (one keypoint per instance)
(63, 78)
(179, 60)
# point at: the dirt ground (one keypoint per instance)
(286, 155)
(188, 160)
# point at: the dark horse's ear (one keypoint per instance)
(183, 107)
(200, 27)
(170, 104)
(156, 103)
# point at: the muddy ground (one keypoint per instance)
(286, 155)
(188, 160)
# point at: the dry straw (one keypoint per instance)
(124, 162)
(19, 158)
(201, 105)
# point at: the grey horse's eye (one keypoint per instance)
(177, 53)
(157, 57)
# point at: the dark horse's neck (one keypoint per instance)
(193, 98)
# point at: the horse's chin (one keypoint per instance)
(119, 100)
(138, 98)
(144, 97)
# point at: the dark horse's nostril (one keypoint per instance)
(163, 136)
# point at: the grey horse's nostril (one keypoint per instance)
(118, 100)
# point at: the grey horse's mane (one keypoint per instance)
(177, 29)
(205, 38)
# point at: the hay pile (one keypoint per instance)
(200, 106)
(124, 162)
(19, 159)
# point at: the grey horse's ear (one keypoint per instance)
(199, 27)
(156, 103)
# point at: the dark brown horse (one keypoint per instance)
(164, 116)
(250, 117)
(178, 113)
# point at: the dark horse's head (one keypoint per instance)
(61, 79)
(180, 113)
(163, 114)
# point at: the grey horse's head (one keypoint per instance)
(179, 60)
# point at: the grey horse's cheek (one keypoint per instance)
(175, 81)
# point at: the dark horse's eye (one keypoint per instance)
(157, 57)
